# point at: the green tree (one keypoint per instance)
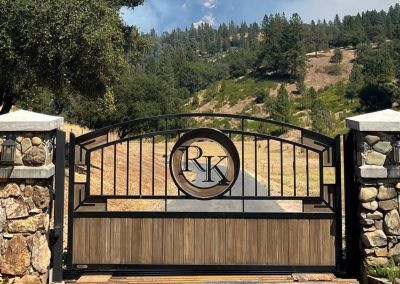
(295, 47)
(377, 96)
(318, 37)
(356, 83)
(282, 108)
(284, 48)
(321, 118)
(261, 96)
(135, 97)
(337, 56)
(273, 54)
(309, 98)
(69, 48)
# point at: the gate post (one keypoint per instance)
(26, 193)
(372, 190)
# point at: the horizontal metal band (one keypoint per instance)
(233, 215)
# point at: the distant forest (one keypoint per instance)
(97, 71)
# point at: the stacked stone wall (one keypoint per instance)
(379, 198)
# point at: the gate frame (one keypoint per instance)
(208, 269)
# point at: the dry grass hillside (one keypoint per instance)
(237, 95)
(317, 73)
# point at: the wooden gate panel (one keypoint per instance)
(204, 241)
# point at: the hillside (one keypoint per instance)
(238, 95)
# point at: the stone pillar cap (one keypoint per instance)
(386, 120)
(23, 120)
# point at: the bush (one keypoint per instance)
(333, 70)
(261, 95)
(337, 56)
(390, 271)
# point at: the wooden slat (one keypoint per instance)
(136, 240)
(81, 241)
(188, 241)
(178, 241)
(235, 241)
(274, 240)
(126, 241)
(252, 243)
(315, 243)
(99, 240)
(199, 241)
(146, 249)
(283, 242)
(116, 241)
(168, 241)
(304, 237)
(214, 241)
(158, 229)
(294, 242)
(263, 241)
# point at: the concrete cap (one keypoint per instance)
(385, 120)
(23, 120)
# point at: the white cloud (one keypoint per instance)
(209, 19)
(209, 4)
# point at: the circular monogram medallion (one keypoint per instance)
(204, 163)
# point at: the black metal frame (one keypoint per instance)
(322, 145)
(151, 269)
(58, 231)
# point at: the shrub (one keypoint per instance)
(337, 56)
(390, 271)
(334, 70)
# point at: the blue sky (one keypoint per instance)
(165, 15)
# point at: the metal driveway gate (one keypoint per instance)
(205, 193)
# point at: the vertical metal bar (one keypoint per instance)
(88, 172)
(230, 137)
(321, 174)
(115, 169)
(269, 169)
(294, 170)
(242, 128)
(59, 207)
(255, 165)
(353, 253)
(307, 174)
(102, 172)
(152, 167)
(282, 194)
(165, 165)
(71, 185)
(177, 189)
(338, 201)
(140, 165)
(127, 168)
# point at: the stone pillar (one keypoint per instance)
(26, 188)
(378, 182)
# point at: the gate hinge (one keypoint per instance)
(54, 234)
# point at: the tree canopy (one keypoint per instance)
(66, 48)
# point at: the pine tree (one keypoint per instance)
(295, 53)
(321, 118)
(318, 37)
(337, 56)
(282, 108)
(356, 82)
